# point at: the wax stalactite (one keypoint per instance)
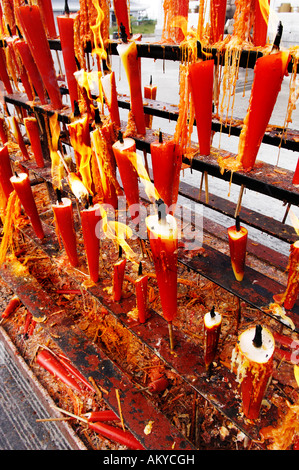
(30, 65)
(237, 237)
(131, 63)
(30, 20)
(212, 328)
(166, 164)
(128, 173)
(260, 25)
(141, 285)
(121, 10)
(269, 72)
(66, 32)
(201, 75)
(5, 172)
(118, 277)
(110, 94)
(163, 236)
(253, 357)
(4, 77)
(64, 219)
(16, 131)
(290, 295)
(150, 92)
(90, 217)
(33, 132)
(22, 186)
(217, 20)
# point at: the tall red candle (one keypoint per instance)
(131, 62)
(253, 356)
(90, 217)
(141, 284)
(32, 129)
(3, 72)
(290, 295)
(21, 70)
(201, 79)
(166, 164)
(48, 17)
(66, 32)
(5, 172)
(110, 94)
(212, 328)
(260, 24)
(121, 10)
(64, 218)
(269, 71)
(21, 184)
(150, 92)
(128, 173)
(34, 75)
(15, 129)
(118, 278)
(31, 23)
(163, 237)
(237, 237)
(217, 19)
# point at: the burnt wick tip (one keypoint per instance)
(257, 340)
(120, 137)
(238, 226)
(160, 137)
(140, 269)
(58, 194)
(161, 210)
(212, 312)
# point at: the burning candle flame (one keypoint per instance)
(295, 221)
(99, 48)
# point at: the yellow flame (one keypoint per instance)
(77, 187)
(77, 130)
(149, 187)
(57, 171)
(98, 48)
(265, 9)
(295, 221)
(91, 82)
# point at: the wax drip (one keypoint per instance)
(212, 312)
(238, 227)
(257, 340)
(120, 137)
(161, 210)
(140, 269)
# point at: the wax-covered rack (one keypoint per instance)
(258, 294)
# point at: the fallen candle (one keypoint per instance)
(21, 184)
(253, 356)
(32, 129)
(64, 219)
(212, 328)
(237, 236)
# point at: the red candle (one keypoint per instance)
(5, 172)
(3, 72)
(128, 173)
(118, 278)
(64, 219)
(20, 69)
(212, 328)
(15, 129)
(3, 131)
(106, 167)
(110, 95)
(66, 32)
(89, 220)
(253, 356)
(202, 73)
(296, 174)
(31, 23)
(260, 24)
(166, 164)
(29, 64)
(48, 17)
(150, 92)
(289, 297)
(269, 71)
(121, 10)
(21, 184)
(237, 237)
(131, 62)
(32, 129)
(141, 296)
(217, 19)
(163, 237)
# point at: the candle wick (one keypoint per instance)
(123, 33)
(212, 312)
(276, 43)
(66, 8)
(140, 269)
(9, 30)
(19, 32)
(257, 340)
(120, 137)
(151, 80)
(76, 109)
(90, 201)
(160, 137)
(77, 63)
(97, 117)
(58, 194)
(161, 210)
(238, 227)
(16, 174)
(120, 251)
